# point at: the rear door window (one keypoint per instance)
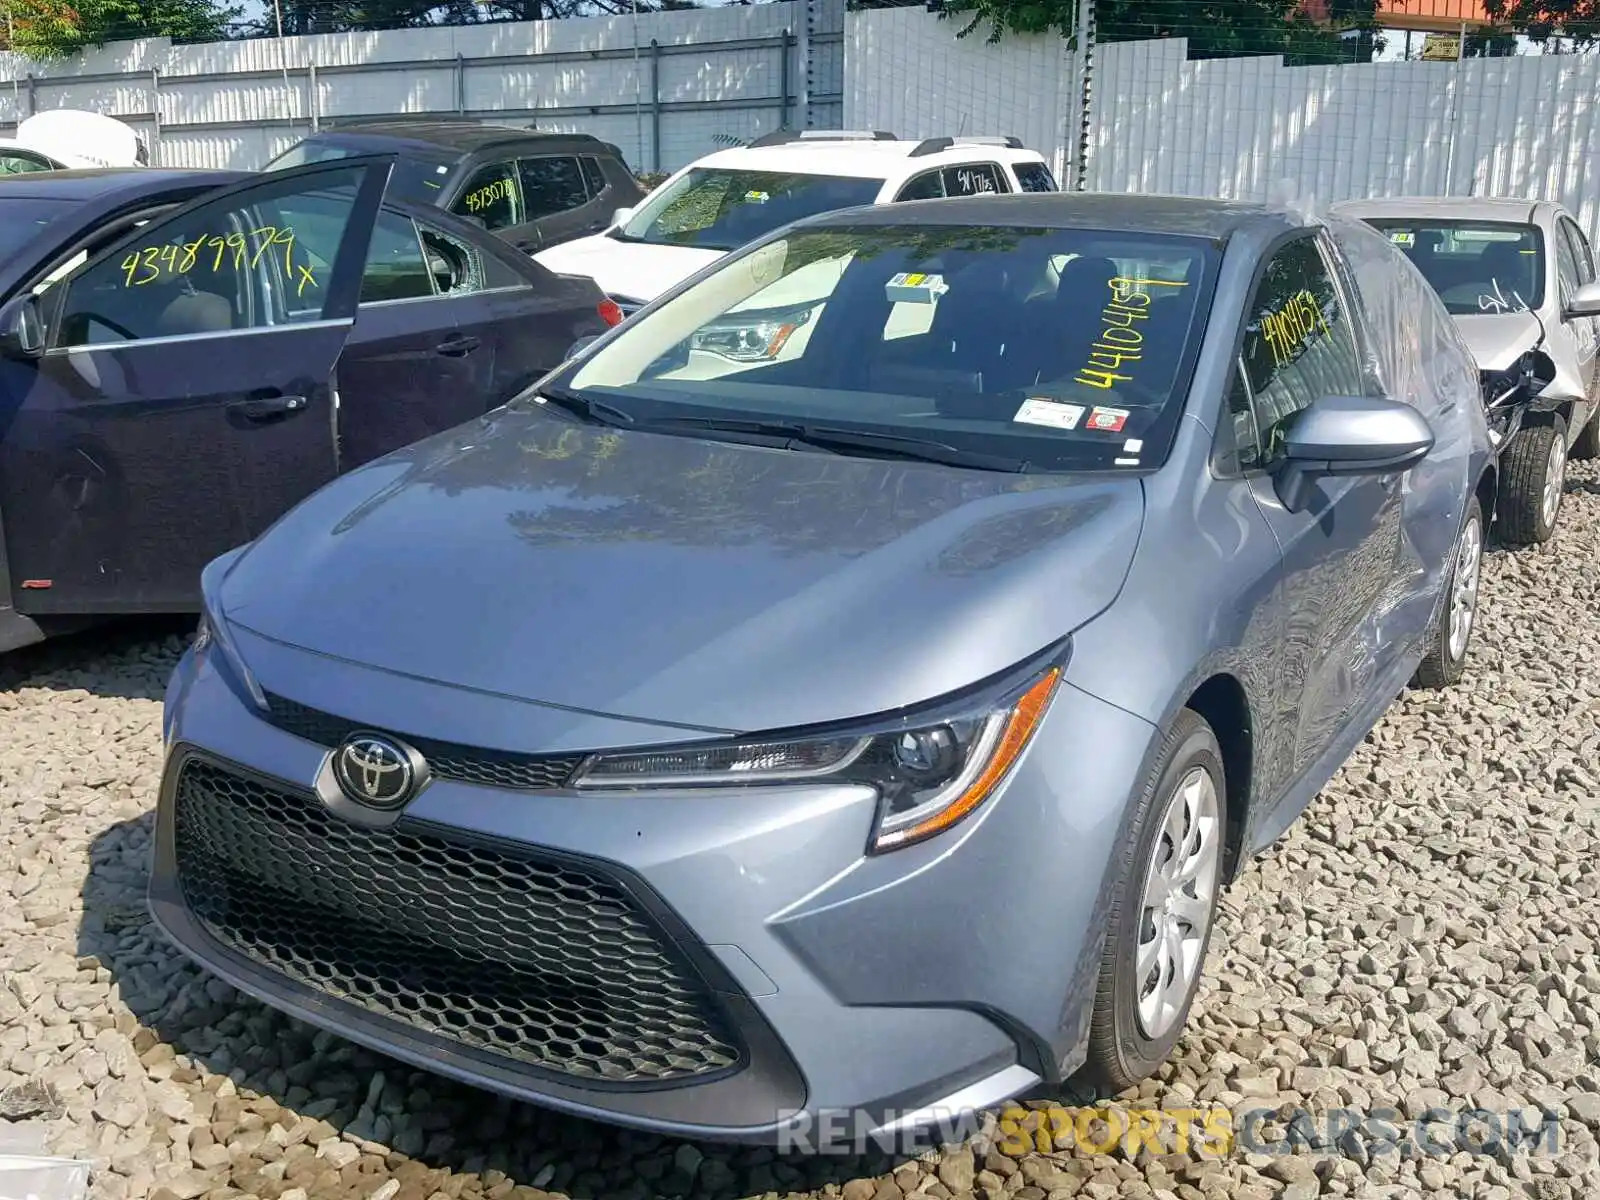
(552, 184)
(593, 175)
(395, 267)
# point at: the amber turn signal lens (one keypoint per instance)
(1020, 725)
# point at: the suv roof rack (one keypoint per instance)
(935, 145)
(785, 137)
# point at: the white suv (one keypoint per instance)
(726, 199)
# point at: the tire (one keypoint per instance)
(1446, 658)
(1525, 515)
(1588, 444)
(1123, 1049)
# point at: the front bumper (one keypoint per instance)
(894, 989)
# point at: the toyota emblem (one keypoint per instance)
(375, 771)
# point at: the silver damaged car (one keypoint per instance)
(846, 686)
(1517, 276)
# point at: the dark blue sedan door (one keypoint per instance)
(184, 400)
(1341, 553)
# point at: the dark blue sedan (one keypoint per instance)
(184, 355)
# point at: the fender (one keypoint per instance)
(16, 630)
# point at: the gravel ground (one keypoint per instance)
(1424, 938)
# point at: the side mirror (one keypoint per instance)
(582, 344)
(1350, 435)
(22, 328)
(1585, 302)
(620, 218)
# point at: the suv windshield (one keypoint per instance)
(722, 209)
(417, 175)
(1048, 349)
(1475, 266)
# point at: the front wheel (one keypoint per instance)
(1451, 635)
(1535, 475)
(1170, 877)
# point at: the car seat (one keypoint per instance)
(1066, 328)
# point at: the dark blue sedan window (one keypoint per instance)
(1062, 349)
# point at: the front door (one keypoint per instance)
(1575, 269)
(184, 401)
(1340, 553)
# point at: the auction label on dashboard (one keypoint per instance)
(1050, 413)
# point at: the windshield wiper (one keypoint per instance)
(596, 412)
(847, 441)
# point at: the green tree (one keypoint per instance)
(55, 29)
(1215, 28)
(1541, 20)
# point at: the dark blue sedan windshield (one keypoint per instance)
(1060, 349)
(23, 218)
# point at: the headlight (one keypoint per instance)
(752, 336)
(928, 773)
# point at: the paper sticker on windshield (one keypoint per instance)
(754, 197)
(1400, 238)
(1132, 446)
(1107, 420)
(913, 287)
(1049, 413)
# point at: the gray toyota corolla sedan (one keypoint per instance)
(845, 686)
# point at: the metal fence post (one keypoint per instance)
(783, 79)
(461, 85)
(155, 116)
(314, 100)
(655, 105)
(1455, 113)
(1082, 105)
(33, 96)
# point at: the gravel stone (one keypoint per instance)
(1424, 937)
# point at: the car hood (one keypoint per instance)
(654, 577)
(1496, 339)
(632, 270)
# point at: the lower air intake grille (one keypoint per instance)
(546, 963)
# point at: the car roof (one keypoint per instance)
(458, 137)
(862, 157)
(1119, 212)
(92, 183)
(1468, 208)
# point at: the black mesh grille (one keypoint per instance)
(538, 960)
(490, 768)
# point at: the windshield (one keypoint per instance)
(417, 175)
(722, 209)
(1063, 350)
(1475, 266)
(23, 217)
